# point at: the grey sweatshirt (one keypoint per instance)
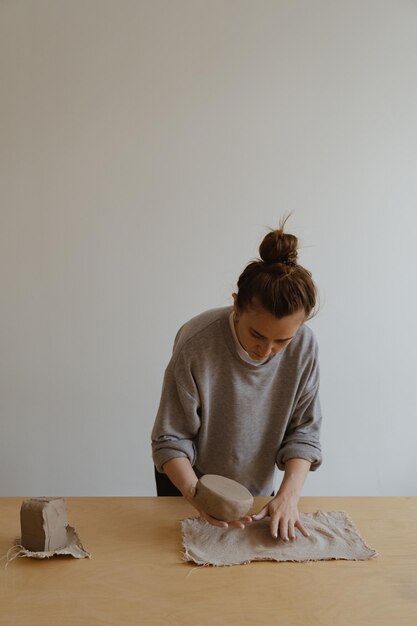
(233, 418)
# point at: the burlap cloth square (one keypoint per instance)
(332, 536)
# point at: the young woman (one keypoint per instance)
(240, 393)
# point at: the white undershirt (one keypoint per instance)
(241, 351)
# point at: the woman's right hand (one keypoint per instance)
(182, 475)
(189, 495)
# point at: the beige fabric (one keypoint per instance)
(73, 548)
(332, 536)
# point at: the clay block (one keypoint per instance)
(223, 498)
(43, 524)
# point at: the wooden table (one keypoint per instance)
(136, 574)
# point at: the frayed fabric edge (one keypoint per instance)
(349, 519)
(74, 548)
(188, 559)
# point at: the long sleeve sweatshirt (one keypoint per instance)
(233, 418)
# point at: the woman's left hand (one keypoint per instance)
(285, 518)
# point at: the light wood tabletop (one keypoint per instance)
(137, 575)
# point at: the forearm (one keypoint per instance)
(296, 471)
(181, 473)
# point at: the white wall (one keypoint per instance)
(145, 147)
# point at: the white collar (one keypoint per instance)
(241, 351)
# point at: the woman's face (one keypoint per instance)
(261, 334)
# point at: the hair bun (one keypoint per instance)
(279, 247)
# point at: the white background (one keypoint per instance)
(146, 147)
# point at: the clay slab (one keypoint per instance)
(223, 498)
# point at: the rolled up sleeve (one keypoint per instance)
(177, 423)
(302, 435)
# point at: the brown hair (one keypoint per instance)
(276, 281)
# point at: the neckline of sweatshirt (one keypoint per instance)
(230, 342)
(240, 349)
(188, 341)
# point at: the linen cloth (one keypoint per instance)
(73, 548)
(332, 536)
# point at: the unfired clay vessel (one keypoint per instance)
(44, 524)
(223, 498)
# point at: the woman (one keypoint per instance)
(240, 393)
